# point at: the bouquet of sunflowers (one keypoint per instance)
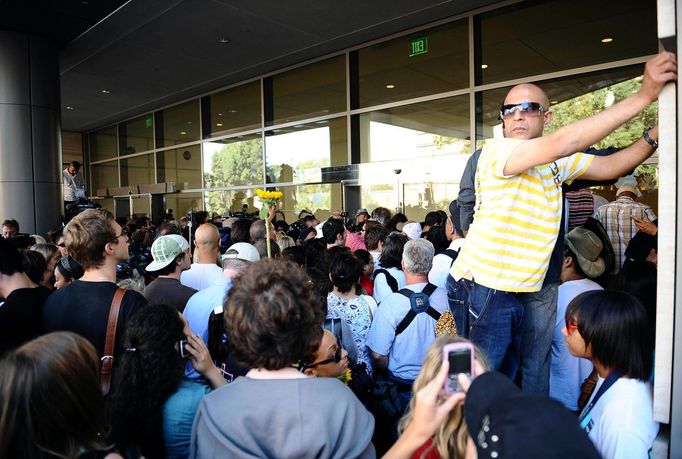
(269, 200)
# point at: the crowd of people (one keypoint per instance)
(262, 338)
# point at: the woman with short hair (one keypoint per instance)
(274, 320)
(344, 302)
(611, 329)
(390, 278)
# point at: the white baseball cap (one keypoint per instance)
(242, 251)
(165, 249)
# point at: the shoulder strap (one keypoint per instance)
(407, 320)
(452, 253)
(109, 343)
(390, 280)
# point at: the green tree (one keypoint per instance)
(238, 163)
(586, 105)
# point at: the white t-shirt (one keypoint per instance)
(202, 275)
(567, 372)
(381, 287)
(440, 270)
(622, 420)
(406, 351)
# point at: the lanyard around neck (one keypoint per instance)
(608, 382)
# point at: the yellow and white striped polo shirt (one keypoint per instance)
(517, 219)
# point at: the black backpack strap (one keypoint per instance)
(390, 280)
(452, 254)
(429, 289)
(407, 320)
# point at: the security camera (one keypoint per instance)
(397, 171)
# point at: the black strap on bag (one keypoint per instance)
(452, 253)
(390, 280)
(419, 302)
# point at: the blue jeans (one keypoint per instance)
(539, 317)
(491, 319)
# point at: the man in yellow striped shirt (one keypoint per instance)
(519, 206)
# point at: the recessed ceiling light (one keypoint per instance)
(189, 122)
(183, 132)
(223, 40)
(232, 111)
(69, 107)
(219, 124)
(390, 86)
(607, 40)
(484, 66)
(220, 114)
(105, 91)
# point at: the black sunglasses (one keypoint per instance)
(335, 359)
(526, 108)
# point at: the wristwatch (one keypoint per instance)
(648, 138)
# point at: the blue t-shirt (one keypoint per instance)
(406, 351)
(178, 416)
(198, 311)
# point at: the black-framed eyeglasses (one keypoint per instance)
(335, 359)
(526, 108)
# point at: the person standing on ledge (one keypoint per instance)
(73, 182)
(519, 207)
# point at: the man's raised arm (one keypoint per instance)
(581, 134)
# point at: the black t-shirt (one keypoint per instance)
(166, 290)
(83, 308)
(21, 317)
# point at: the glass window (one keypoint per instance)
(314, 90)
(572, 98)
(297, 153)
(138, 170)
(237, 109)
(136, 136)
(104, 176)
(181, 203)
(107, 203)
(419, 64)
(177, 125)
(103, 144)
(435, 128)
(231, 201)
(416, 185)
(182, 166)
(234, 161)
(321, 199)
(532, 38)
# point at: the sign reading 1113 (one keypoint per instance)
(419, 46)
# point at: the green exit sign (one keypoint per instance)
(419, 46)
(148, 122)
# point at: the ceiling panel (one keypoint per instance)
(151, 54)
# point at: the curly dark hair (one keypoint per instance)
(146, 375)
(273, 316)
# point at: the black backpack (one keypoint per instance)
(419, 302)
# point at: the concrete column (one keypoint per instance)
(30, 126)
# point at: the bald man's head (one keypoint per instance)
(207, 241)
(526, 124)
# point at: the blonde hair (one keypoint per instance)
(451, 437)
